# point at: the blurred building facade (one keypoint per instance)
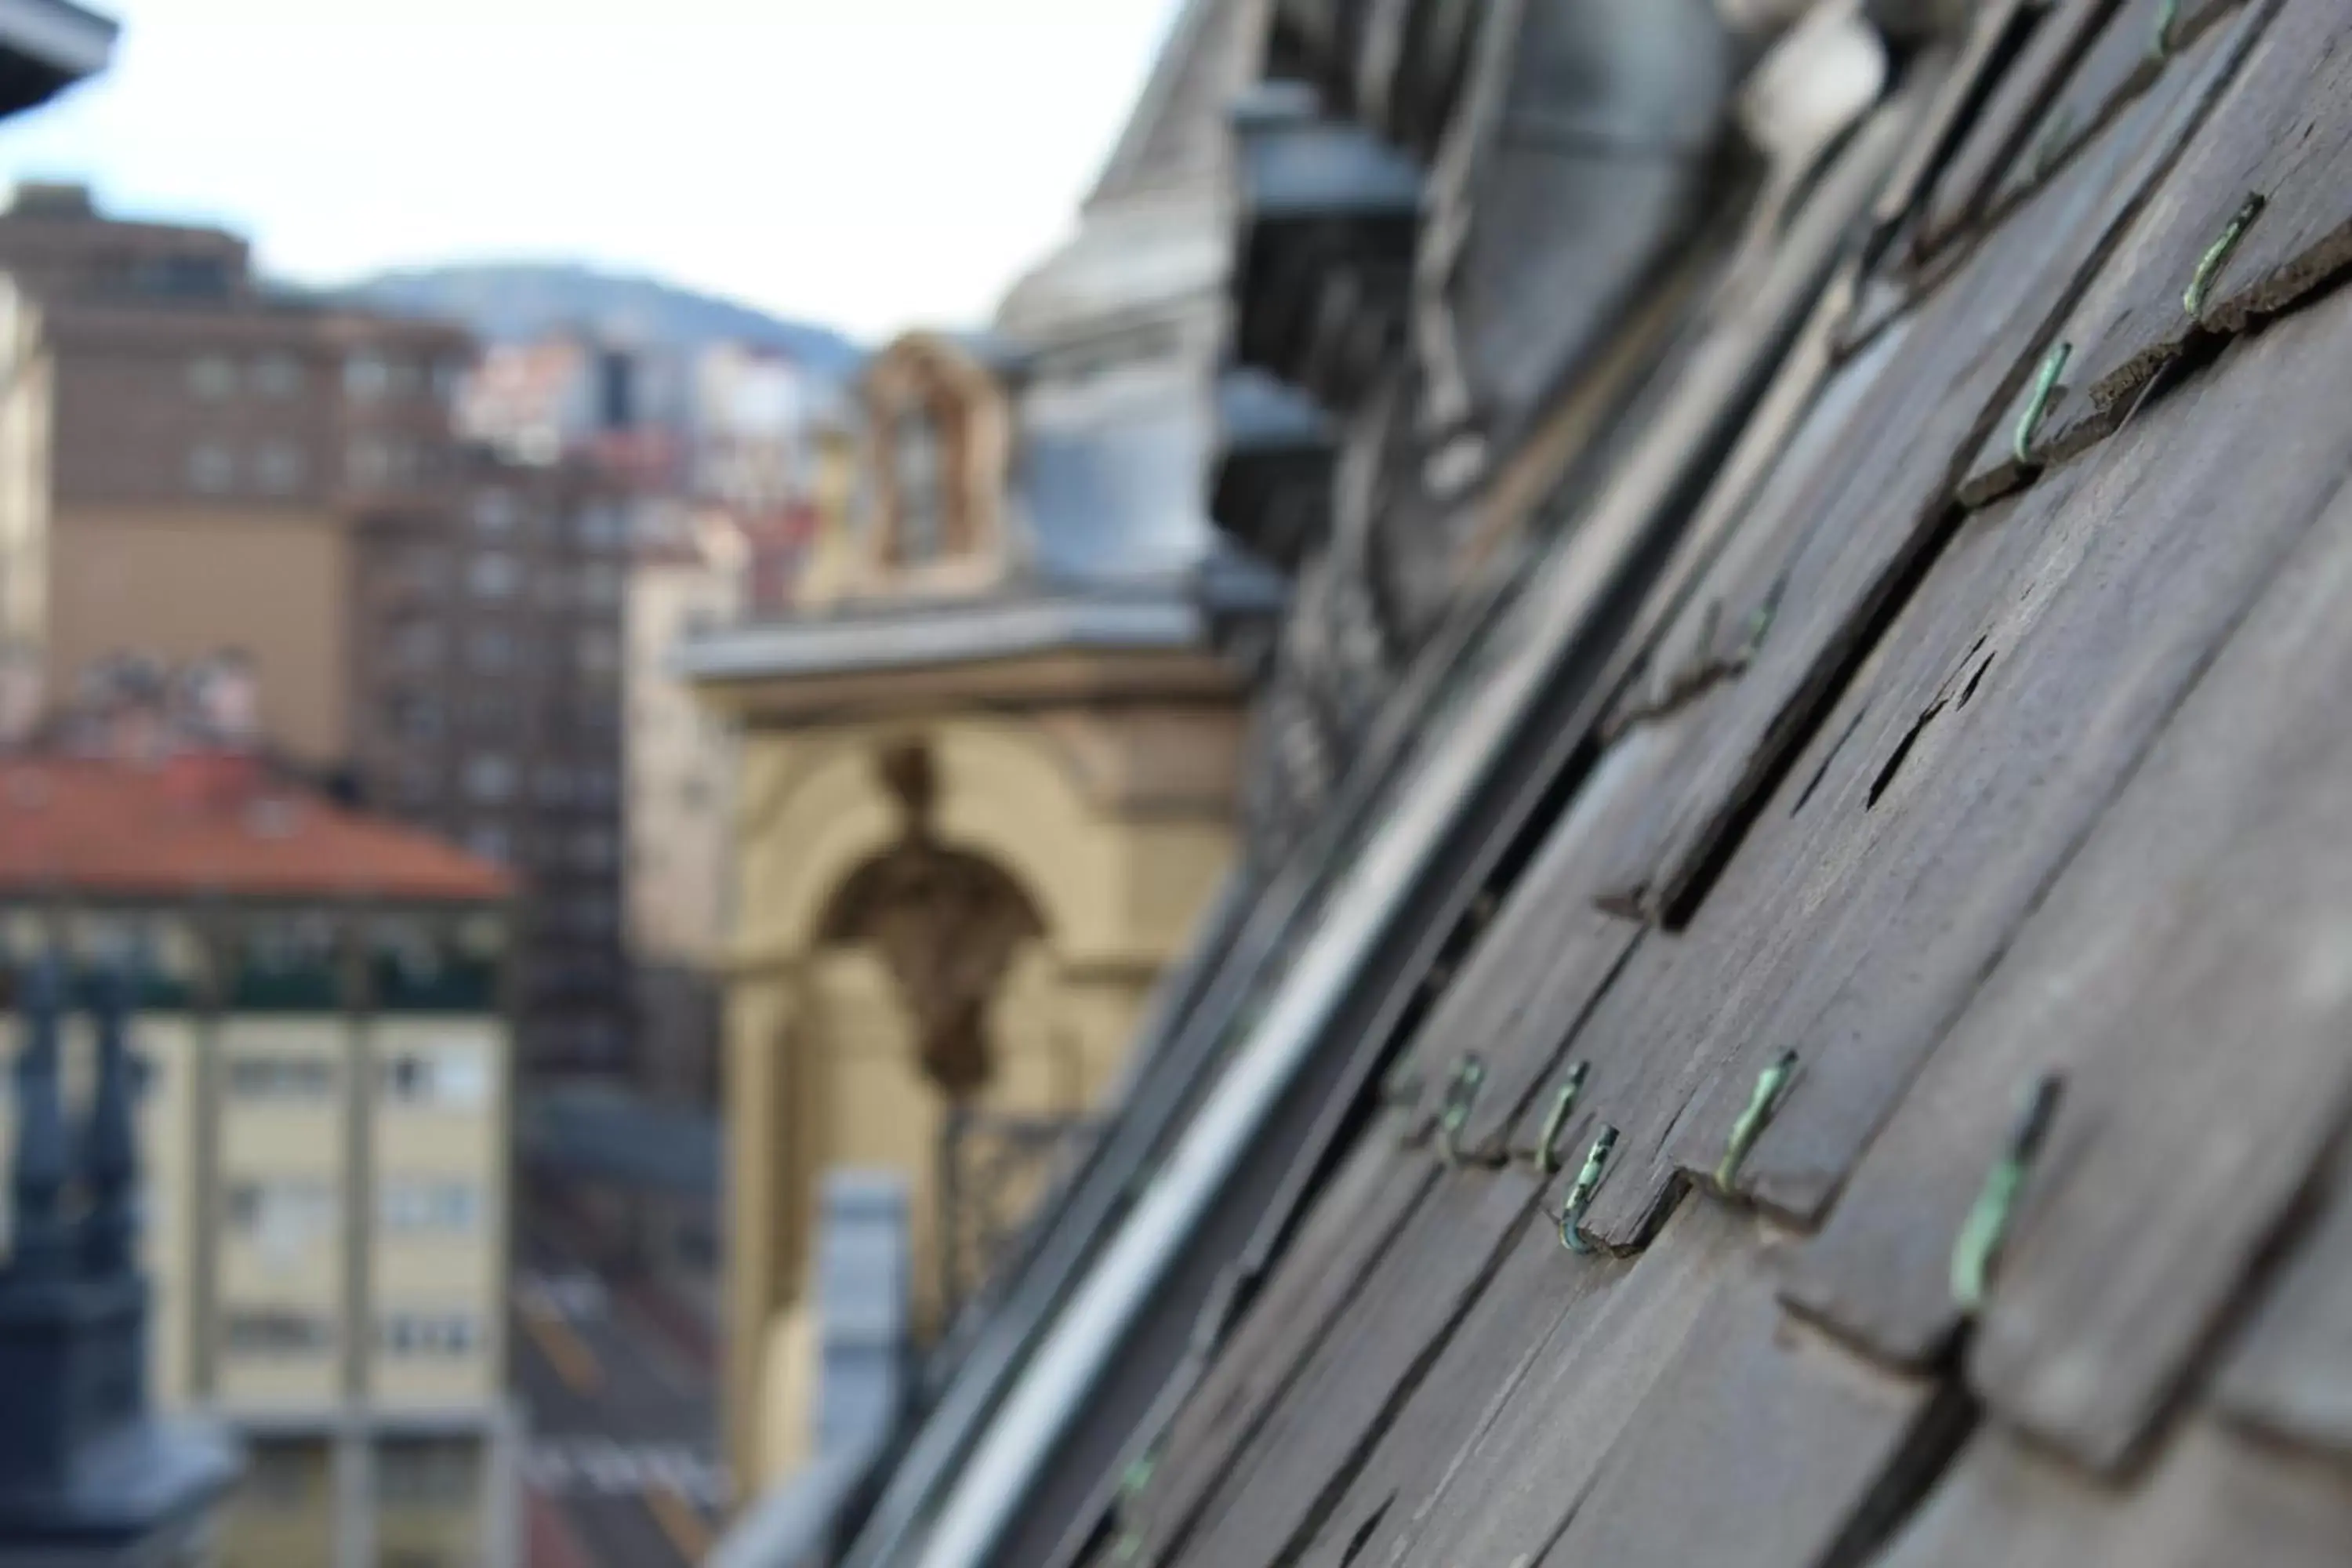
(191, 462)
(687, 578)
(325, 1064)
(89, 1474)
(989, 759)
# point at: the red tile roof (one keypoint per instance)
(217, 824)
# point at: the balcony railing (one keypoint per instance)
(994, 1168)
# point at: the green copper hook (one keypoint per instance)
(1978, 1245)
(1750, 1125)
(1579, 1196)
(1461, 1094)
(1563, 1104)
(2216, 255)
(2037, 407)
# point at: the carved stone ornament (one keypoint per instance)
(947, 924)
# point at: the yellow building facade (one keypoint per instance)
(988, 761)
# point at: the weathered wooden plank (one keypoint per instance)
(2039, 429)
(2236, 859)
(1338, 1246)
(1482, 1366)
(2138, 42)
(1881, 495)
(1995, 31)
(1764, 1447)
(1548, 953)
(1628, 1323)
(2289, 1373)
(2129, 593)
(1784, 889)
(2122, 980)
(1702, 645)
(1648, 1043)
(1278, 1490)
(2304, 237)
(1994, 141)
(2261, 139)
(2215, 1498)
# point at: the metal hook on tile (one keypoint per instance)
(1759, 621)
(1579, 1196)
(2037, 407)
(1461, 1095)
(1761, 1104)
(2216, 255)
(1979, 1244)
(2168, 16)
(1563, 1105)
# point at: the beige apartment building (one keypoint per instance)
(686, 579)
(326, 1065)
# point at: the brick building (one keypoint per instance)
(192, 462)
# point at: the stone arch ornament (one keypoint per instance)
(946, 922)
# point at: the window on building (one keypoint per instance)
(493, 650)
(436, 1334)
(593, 850)
(450, 1076)
(366, 377)
(412, 1204)
(212, 377)
(555, 785)
(275, 1330)
(211, 467)
(438, 1471)
(263, 1204)
(285, 1219)
(601, 525)
(282, 1077)
(493, 576)
(448, 380)
(495, 512)
(599, 786)
(278, 467)
(921, 490)
(278, 375)
(490, 776)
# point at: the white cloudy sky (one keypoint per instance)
(869, 164)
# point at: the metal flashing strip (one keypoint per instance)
(941, 633)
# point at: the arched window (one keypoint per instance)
(920, 471)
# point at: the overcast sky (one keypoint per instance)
(866, 163)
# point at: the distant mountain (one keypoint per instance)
(505, 302)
